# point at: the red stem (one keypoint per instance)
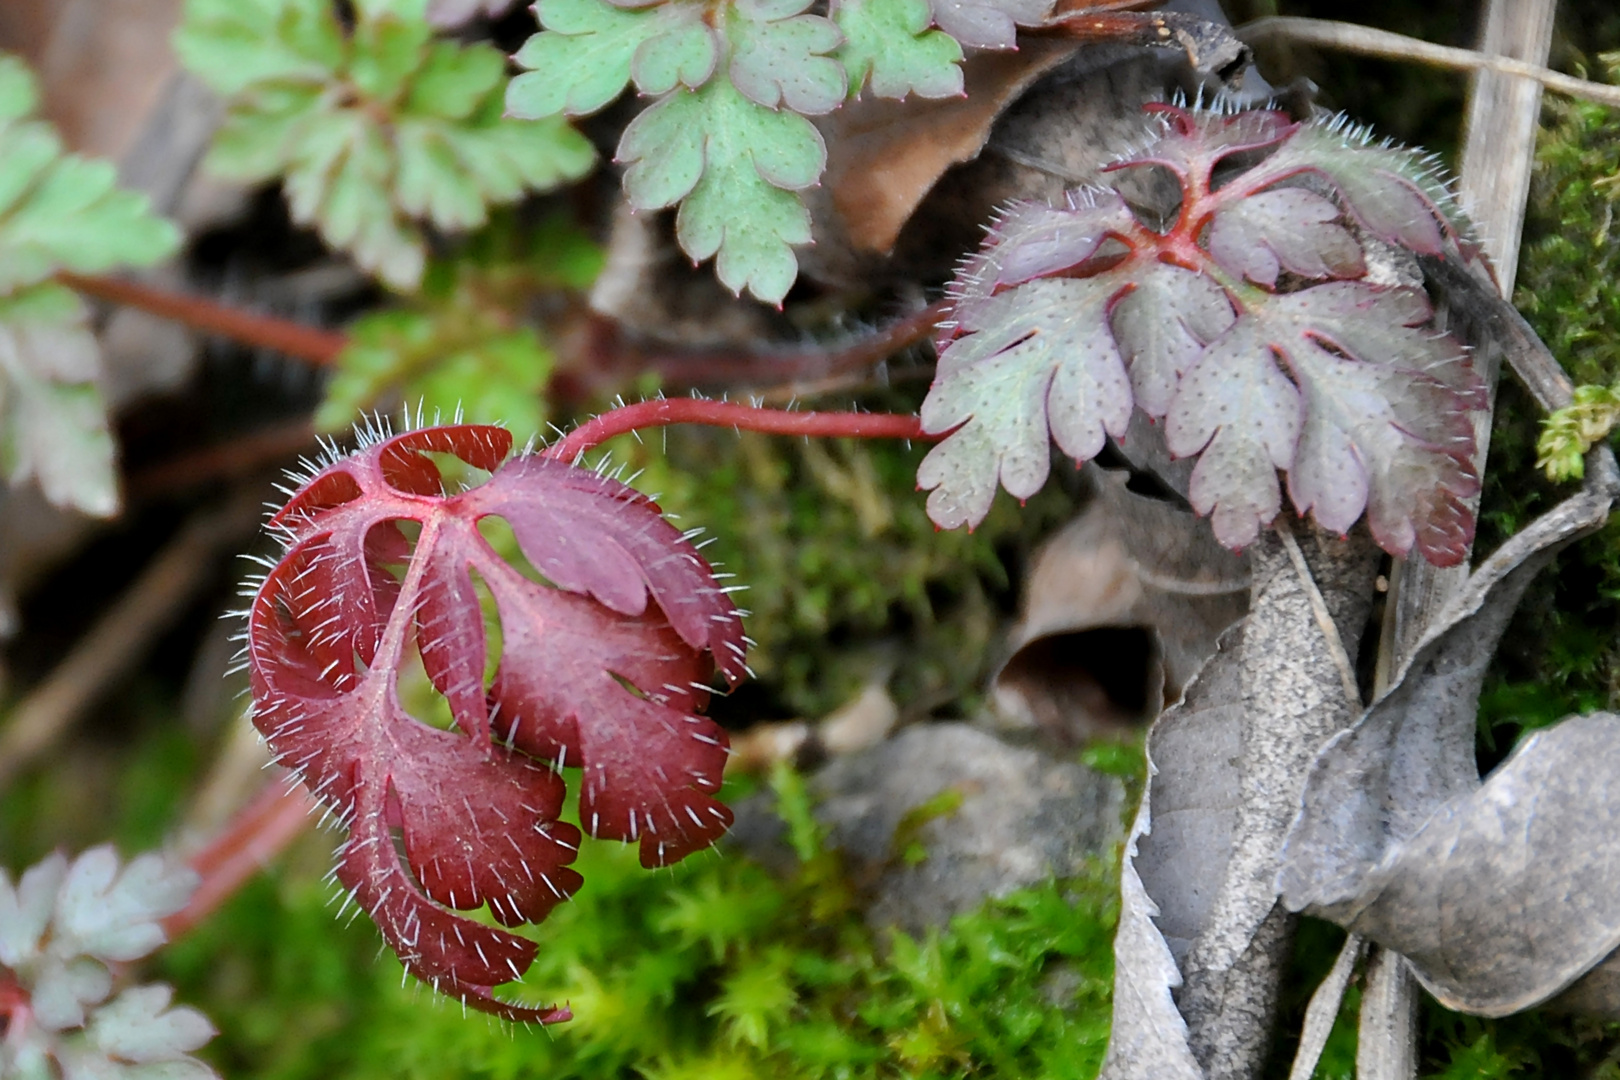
(262, 331)
(258, 833)
(666, 411)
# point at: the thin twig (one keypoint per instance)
(122, 635)
(209, 316)
(678, 370)
(1367, 41)
(868, 350)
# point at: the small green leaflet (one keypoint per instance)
(591, 50)
(889, 48)
(733, 165)
(375, 132)
(726, 139)
(58, 211)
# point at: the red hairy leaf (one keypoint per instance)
(1070, 315)
(604, 665)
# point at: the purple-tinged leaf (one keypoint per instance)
(1162, 326)
(1287, 229)
(1239, 412)
(1344, 385)
(1035, 362)
(1395, 193)
(596, 536)
(1193, 143)
(1031, 240)
(591, 674)
(988, 25)
(1387, 425)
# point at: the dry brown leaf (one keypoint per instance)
(884, 156)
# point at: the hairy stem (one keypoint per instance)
(665, 411)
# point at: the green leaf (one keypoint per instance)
(235, 44)
(58, 212)
(19, 97)
(733, 165)
(778, 56)
(387, 51)
(374, 135)
(53, 422)
(63, 212)
(454, 82)
(1034, 359)
(581, 62)
(889, 46)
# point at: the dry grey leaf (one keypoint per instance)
(1228, 762)
(1499, 895)
(1121, 608)
(1176, 857)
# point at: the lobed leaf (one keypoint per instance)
(603, 665)
(1033, 364)
(734, 166)
(778, 56)
(890, 49)
(1396, 194)
(1030, 240)
(385, 109)
(1387, 417)
(1285, 229)
(58, 212)
(1162, 326)
(1240, 413)
(590, 50)
(1344, 385)
(61, 927)
(1191, 144)
(988, 25)
(140, 1027)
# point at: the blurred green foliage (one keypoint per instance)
(473, 340)
(375, 128)
(713, 969)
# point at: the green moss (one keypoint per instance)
(713, 969)
(1562, 654)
